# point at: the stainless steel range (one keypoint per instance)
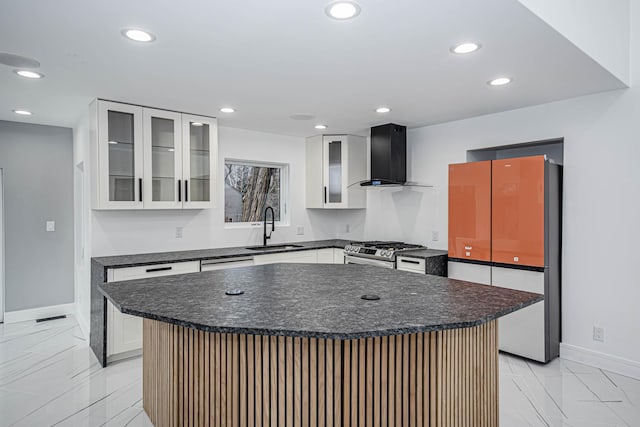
(382, 254)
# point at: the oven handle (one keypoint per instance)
(349, 259)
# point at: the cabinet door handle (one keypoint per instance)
(140, 188)
(151, 270)
(325, 194)
(408, 261)
(179, 191)
(186, 190)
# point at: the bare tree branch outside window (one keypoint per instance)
(249, 190)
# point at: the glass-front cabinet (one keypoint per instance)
(120, 155)
(199, 156)
(152, 159)
(335, 165)
(162, 159)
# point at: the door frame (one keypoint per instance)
(2, 251)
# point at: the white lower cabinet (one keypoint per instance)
(413, 265)
(522, 332)
(124, 332)
(475, 273)
(325, 256)
(225, 263)
(320, 256)
(309, 256)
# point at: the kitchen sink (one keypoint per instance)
(273, 247)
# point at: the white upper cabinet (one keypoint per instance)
(152, 159)
(199, 159)
(162, 159)
(334, 166)
(119, 155)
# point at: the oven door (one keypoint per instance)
(350, 259)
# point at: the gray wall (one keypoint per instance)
(38, 186)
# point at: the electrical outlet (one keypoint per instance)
(50, 226)
(300, 230)
(347, 228)
(178, 232)
(435, 235)
(598, 333)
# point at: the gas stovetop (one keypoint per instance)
(378, 249)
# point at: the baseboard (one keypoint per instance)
(38, 313)
(83, 324)
(123, 356)
(619, 365)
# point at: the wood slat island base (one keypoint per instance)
(442, 378)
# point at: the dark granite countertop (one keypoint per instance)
(423, 253)
(314, 300)
(121, 261)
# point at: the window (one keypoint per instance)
(249, 187)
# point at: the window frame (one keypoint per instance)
(284, 192)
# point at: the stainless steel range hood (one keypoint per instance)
(388, 156)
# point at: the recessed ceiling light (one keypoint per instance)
(28, 74)
(227, 110)
(465, 48)
(196, 124)
(383, 109)
(23, 112)
(342, 10)
(500, 81)
(138, 35)
(320, 126)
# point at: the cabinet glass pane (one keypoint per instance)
(163, 160)
(121, 157)
(335, 172)
(199, 180)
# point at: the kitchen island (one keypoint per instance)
(296, 344)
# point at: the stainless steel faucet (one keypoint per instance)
(264, 224)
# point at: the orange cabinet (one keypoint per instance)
(470, 211)
(517, 219)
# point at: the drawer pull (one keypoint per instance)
(408, 261)
(151, 270)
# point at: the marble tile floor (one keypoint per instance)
(49, 377)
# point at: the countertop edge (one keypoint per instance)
(324, 335)
(235, 252)
(417, 255)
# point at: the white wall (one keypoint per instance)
(601, 281)
(599, 28)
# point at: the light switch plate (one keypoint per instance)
(51, 226)
(598, 333)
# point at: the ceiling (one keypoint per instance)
(272, 59)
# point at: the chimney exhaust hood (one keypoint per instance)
(388, 156)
